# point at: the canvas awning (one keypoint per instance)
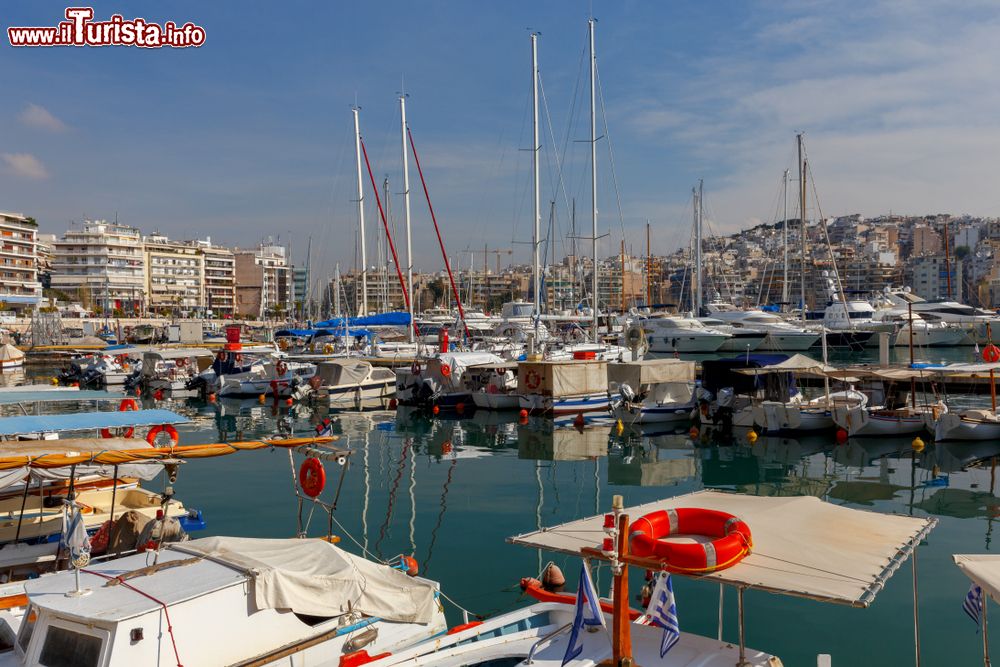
(802, 546)
(71, 447)
(90, 421)
(313, 577)
(343, 371)
(179, 353)
(797, 363)
(651, 371)
(983, 569)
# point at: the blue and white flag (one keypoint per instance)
(74, 536)
(973, 605)
(588, 612)
(662, 612)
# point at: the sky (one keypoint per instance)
(251, 135)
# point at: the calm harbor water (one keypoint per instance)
(451, 491)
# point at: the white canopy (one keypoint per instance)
(802, 546)
(651, 371)
(797, 363)
(313, 577)
(984, 569)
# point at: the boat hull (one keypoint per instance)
(706, 343)
(955, 426)
(860, 422)
(564, 405)
(652, 414)
(788, 342)
(358, 396)
(775, 417)
(499, 401)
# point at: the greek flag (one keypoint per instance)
(74, 537)
(973, 605)
(662, 612)
(588, 612)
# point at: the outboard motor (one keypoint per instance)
(626, 391)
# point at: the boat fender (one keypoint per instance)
(553, 578)
(731, 542)
(126, 405)
(412, 567)
(328, 349)
(157, 430)
(362, 639)
(464, 626)
(312, 477)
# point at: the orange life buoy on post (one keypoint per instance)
(126, 405)
(312, 477)
(732, 542)
(991, 353)
(157, 430)
(533, 380)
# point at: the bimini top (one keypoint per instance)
(797, 363)
(802, 546)
(87, 421)
(984, 569)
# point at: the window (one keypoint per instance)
(27, 628)
(66, 648)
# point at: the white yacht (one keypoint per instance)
(924, 333)
(976, 321)
(744, 339)
(782, 336)
(677, 333)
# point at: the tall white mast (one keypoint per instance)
(802, 227)
(535, 243)
(406, 210)
(784, 242)
(593, 171)
(363, 310)
(699, 294)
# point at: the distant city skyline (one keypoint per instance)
(250, 135)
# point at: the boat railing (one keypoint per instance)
(546, 638)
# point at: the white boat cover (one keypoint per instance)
(984, 569)
(10, 353)
(459, 361)
(314, 577)
(70, 446)
(797, 363)
(343, 371)
(651, 371)
(802, 546)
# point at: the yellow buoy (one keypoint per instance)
(619, 426)
(752, 436)
(55, 380)
(917, 444)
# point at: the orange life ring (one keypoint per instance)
(281, 368)
(180, 362)
(732, 541)
(157, 430)
(991, 353)
(126, 405)
(533, 380)
(239, 358)
(312, 477)
(445, 370)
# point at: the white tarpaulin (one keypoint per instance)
(313, 577)
(343, 371)
(562, 378)
(457, 362)
(984, 569)
(651, 371)
(71, 446)
(797, 363)
(802, 546)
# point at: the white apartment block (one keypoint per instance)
(175, 276)
(104, 265)
(220, 279)
(20, 288)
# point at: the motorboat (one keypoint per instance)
(268, 376)
(677, 333)
(743, 339)
(570, 387)
(913, 329)
(229, 601)
(654, 390)
(353, 384)
(782, 336)
(172, 370)
(849, 323)
(977, 322)
(896, 413)
(439, 382)
(970, 423)
(494, 386)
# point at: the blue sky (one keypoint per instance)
(250, 135)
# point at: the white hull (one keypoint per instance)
(498, 401)
(743, 343)
(686, 342)
(788, 342)
(966, 426)
(861, 422)
(938, 337)
(652, 414)
(775, 417)
(356, 396)
(564, 405)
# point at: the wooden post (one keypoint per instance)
(621, 630)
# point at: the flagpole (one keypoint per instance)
(986, 638)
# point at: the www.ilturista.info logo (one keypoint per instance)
(81, 30)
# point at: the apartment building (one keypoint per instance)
(263, 281)
(174, 276)
(103, 265)
(219, 284)
(20, 288)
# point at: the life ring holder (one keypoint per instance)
(127, 405)
(732, 540)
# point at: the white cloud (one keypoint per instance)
(41, 118)
(25, 165)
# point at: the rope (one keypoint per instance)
(166, 612)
